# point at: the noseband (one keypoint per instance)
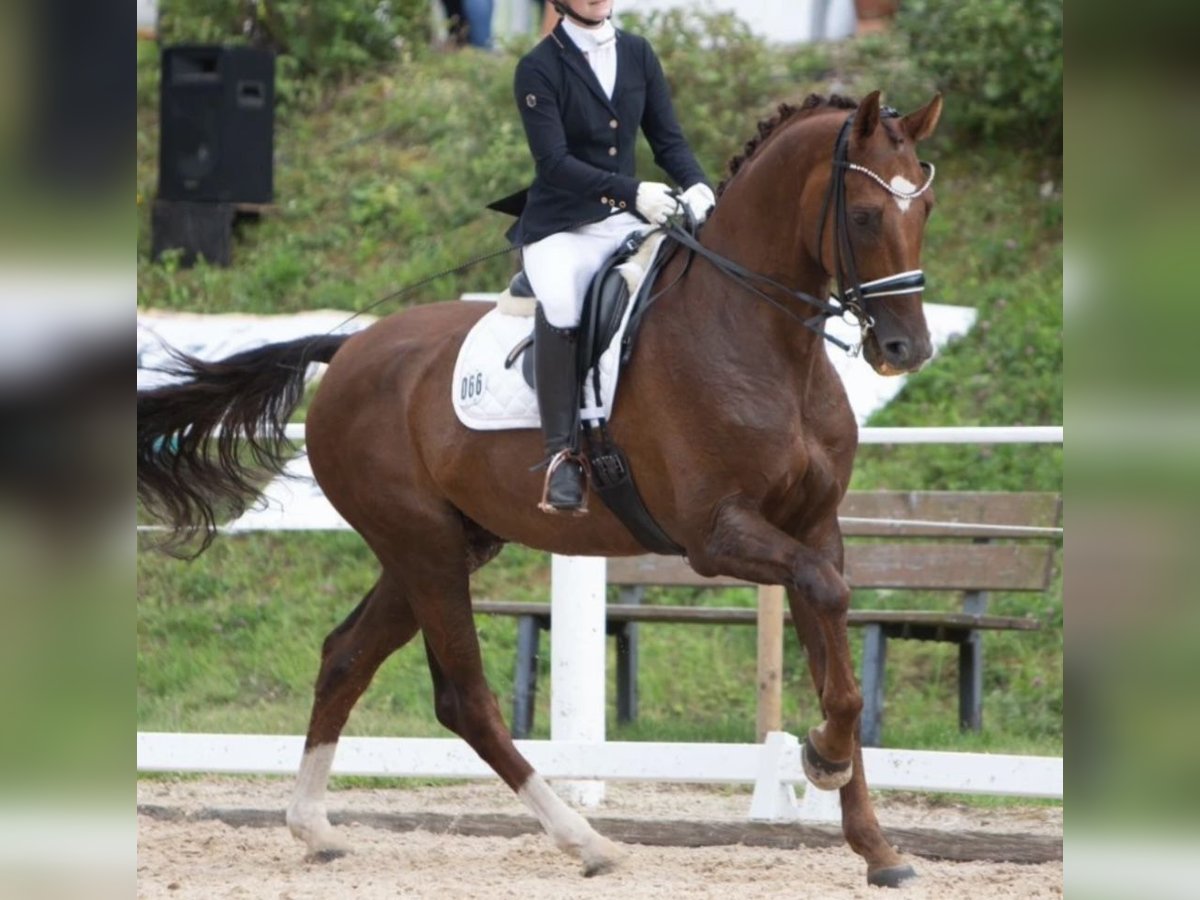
(853, 292)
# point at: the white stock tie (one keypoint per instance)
(599, 46)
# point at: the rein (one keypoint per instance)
(747, 279)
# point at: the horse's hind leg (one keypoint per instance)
(467, 707)
(885, 867)
(381, 624)
(437, 586)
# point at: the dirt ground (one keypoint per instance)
(210, 859)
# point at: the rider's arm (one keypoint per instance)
(671, 150)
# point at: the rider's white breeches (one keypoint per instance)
(561, 266)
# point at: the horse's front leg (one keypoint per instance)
(742, 544)
(885, 867)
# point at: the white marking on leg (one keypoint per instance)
(306, 816)
(900, 183)
(569, 830)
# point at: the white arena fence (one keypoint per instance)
(773, 767)
(578, 752)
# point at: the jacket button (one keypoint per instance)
(622, 204)
(612, 123)
(612, 151)
(604, 200)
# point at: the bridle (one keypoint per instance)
(852, 294)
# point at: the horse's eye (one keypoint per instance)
(863, 217)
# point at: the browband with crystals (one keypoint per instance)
(894, 191)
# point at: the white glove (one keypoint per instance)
(656, 202)
(699, 200)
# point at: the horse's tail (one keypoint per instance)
(206, 445)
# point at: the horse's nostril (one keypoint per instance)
(897, 350)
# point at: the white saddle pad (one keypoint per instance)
(489, 397)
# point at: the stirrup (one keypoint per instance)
(557, 460)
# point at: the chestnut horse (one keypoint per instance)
(736, 425)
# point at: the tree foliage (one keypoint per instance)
(332, 38)
(1000, 61)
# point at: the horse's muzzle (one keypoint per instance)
(896, 354)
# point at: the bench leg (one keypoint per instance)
(525, 676)
(873, 683)
(970, 683)
(970, 667)
(627, 659)
(627, 666)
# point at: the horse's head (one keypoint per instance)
(873, 214)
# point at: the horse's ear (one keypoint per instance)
(866, 119)
(921, 124)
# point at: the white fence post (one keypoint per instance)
(774, 798)
(577, 660)
(819, 805)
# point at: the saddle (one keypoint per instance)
(604, 309)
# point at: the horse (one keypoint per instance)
(735, 423)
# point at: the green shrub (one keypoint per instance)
(333, 38)
(999, 62)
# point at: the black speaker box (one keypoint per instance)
(199, 229)
(217, 131)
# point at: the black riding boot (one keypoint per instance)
(555, 364)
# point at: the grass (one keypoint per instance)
(381, 183)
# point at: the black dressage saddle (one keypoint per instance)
(603, 308)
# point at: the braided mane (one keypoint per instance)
(812, 104)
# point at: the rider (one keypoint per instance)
(582, 93)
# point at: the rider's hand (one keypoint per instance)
(699, 200)
(656, 202)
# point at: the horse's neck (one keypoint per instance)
(762, 334)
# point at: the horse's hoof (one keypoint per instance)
(599, 867)
(891, 877)
(823, 773)
(602, 859)
(323, 841)
(326, 856)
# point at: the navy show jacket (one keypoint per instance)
(583, 143)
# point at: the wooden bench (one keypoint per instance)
(968, 542)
